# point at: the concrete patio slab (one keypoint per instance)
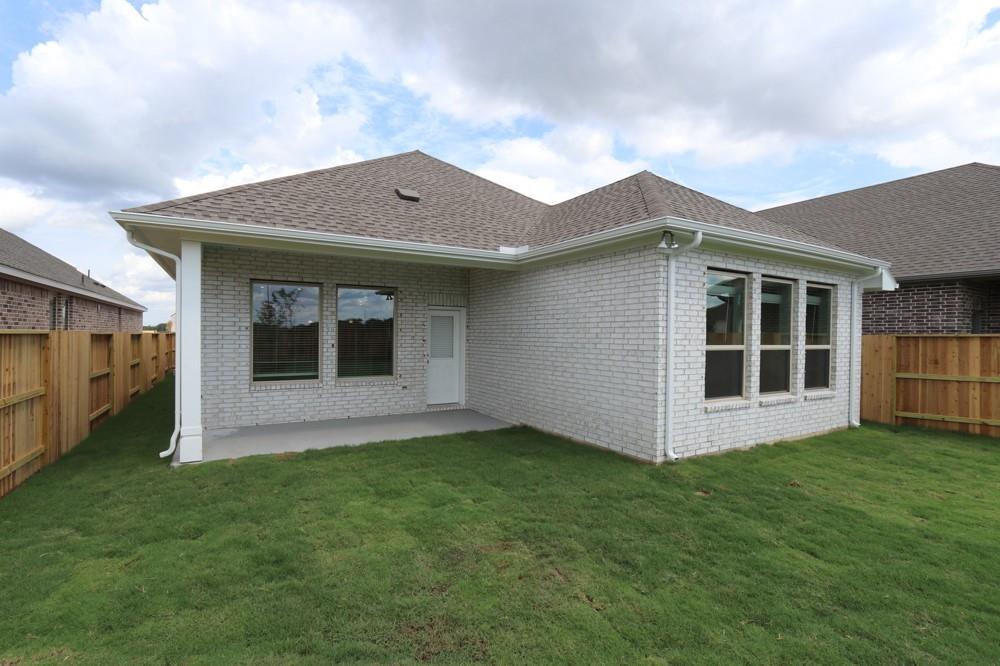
(295, 437)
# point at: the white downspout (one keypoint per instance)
(851, 421)
(671, 250)
(177, 341)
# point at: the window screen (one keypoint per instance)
(775, 336)
(285, 322)
(725, 305)
(365, 331)
(818, 338)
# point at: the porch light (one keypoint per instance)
(671, 244)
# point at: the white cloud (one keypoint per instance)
(20, 206)
(725, 82)
(558, 166)
(122, 103)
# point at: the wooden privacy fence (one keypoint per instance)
(950, 382)
(57, 386)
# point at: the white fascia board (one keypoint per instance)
(62, 286)
(314, 237)
(737, 237)
(790, 247)
(512, 257)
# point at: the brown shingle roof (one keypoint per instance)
(456, 207)
(940, 223)
(645, 196)
(21, 255)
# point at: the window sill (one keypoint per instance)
(777, 399)
(288, 385)
(819, 394)
(365, 381)
(726, 405)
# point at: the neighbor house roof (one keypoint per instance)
(943, 223)
(456, 207)
(21, 259)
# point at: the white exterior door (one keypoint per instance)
(445, 367)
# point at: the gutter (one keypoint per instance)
(62, 286)
(672, 251)
(169, 451)
(505, 256)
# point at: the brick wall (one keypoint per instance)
(23, 305)
(231, 399)
(579, 349)
(703, 426)
(29, 306)
(955, 306)
(990, 322)
(572, 348)
(87, 315)
(576, 348)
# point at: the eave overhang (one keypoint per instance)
(166, 232)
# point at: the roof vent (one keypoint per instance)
(407, 195)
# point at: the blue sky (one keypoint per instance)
(109, 104)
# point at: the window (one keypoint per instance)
(775, 336)
(365, 331)
(725, 305)
(285, 320)
(818, 313)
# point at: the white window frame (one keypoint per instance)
(791, 335)
(828, 347)
(743, 347)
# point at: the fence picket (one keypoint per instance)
(56, 386)
(949, 382)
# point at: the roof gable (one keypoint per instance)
(940, 223)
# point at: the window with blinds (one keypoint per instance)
(442, 336)
(365, 331)
(285, 341)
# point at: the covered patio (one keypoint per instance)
(225, 444)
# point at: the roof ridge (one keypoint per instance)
(600, 187)
(292, 176)
(476, 175)
(528, 231)
(783, 225)
(882, 184)
(642, 191)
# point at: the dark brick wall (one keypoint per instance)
(23, 305)
(990, 319)
(87, 315)
(29, 306)
(954, 306)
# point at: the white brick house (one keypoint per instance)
(642, 317)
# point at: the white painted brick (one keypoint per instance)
(576, 348)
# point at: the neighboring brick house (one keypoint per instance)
(940, 230)
(40, 291)
(642, 317)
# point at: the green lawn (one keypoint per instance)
(507, 546)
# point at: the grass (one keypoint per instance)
(507, 546)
